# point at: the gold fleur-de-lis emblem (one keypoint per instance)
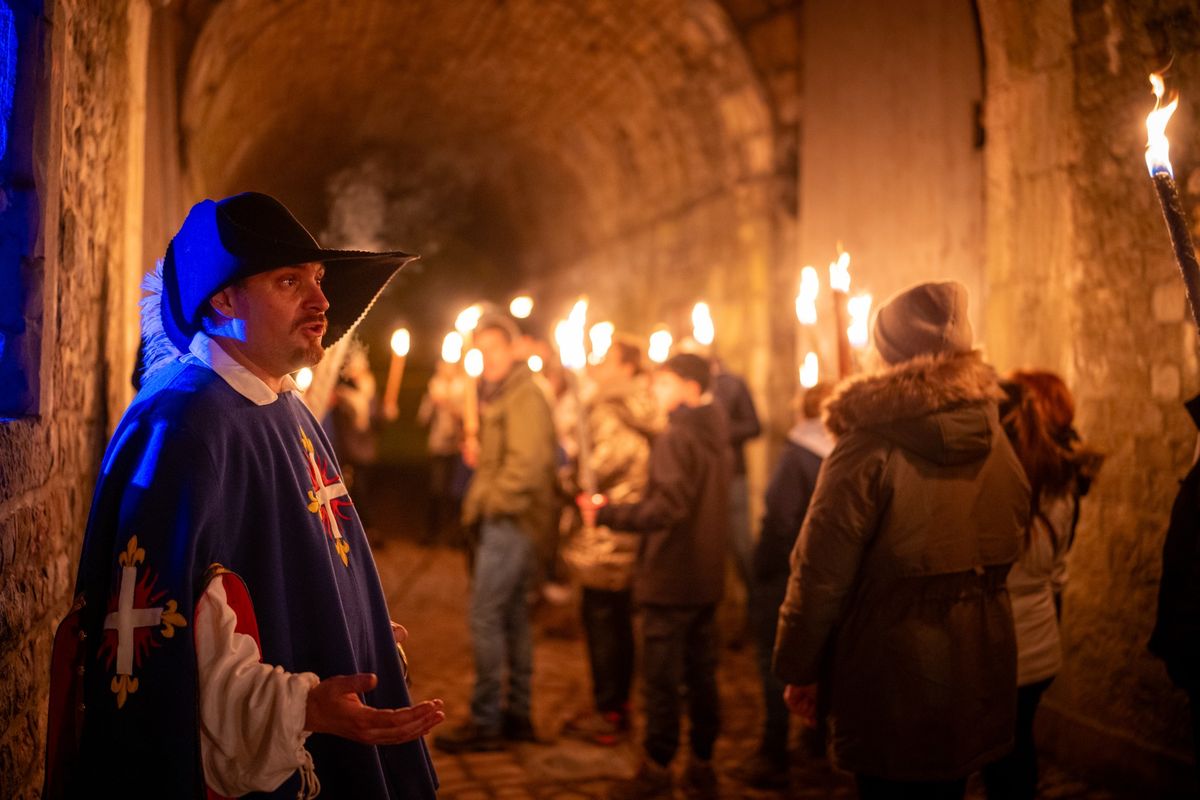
(123, 686)
(172, 619)
(132, 555)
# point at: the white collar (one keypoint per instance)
(210, 353)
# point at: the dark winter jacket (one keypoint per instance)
(1176, 637)
(788, 495)
(684, 514)
(733, 396)
(897, 599)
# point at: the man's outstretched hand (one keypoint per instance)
(334, 706)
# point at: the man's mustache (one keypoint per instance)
(320, 318)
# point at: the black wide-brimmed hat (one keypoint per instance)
(224, 241)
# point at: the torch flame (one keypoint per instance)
(452, 347)
(810, 371)
(578, 315)
(304, 379)
(859, 308)
(806, 300)
(569, 335)
(601, 336)
(1157, 147)
(473, 363)
(521, 307)
(839, 273)
(703, 329)
(468, 319)
(401, 342)
(660, 346)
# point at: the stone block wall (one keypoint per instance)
(48, 462)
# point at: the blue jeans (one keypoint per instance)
(500, 631)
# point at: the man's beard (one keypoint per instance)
(311, 355)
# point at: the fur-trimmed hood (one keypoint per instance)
(941, 407)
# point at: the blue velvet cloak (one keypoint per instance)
(197, 475)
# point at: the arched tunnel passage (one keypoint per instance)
(626, 151)
(515, 145)
(649, 153)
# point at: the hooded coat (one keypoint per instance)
(897, 600)
(684, 514)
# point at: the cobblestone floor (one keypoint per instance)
(427, 591)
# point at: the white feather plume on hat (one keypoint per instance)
(157, 348)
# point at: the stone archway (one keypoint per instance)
(554, 137)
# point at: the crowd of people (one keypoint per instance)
(903, 591)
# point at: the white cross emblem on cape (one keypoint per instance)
(129, 617)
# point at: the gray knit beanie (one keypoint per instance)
(926, 319)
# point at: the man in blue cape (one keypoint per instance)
(229, 634)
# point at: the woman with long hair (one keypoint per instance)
(1038, 416)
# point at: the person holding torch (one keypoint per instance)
(679, 575)
(511, 506)
(621, 419)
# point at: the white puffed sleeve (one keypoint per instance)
(251, 714)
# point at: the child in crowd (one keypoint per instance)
(679, 574)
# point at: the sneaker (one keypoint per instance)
(467, 737)
(608, 728)
(652, 780)
(761, 771)
(699, 779)
(517, 728)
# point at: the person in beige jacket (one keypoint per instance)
(897, 604)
